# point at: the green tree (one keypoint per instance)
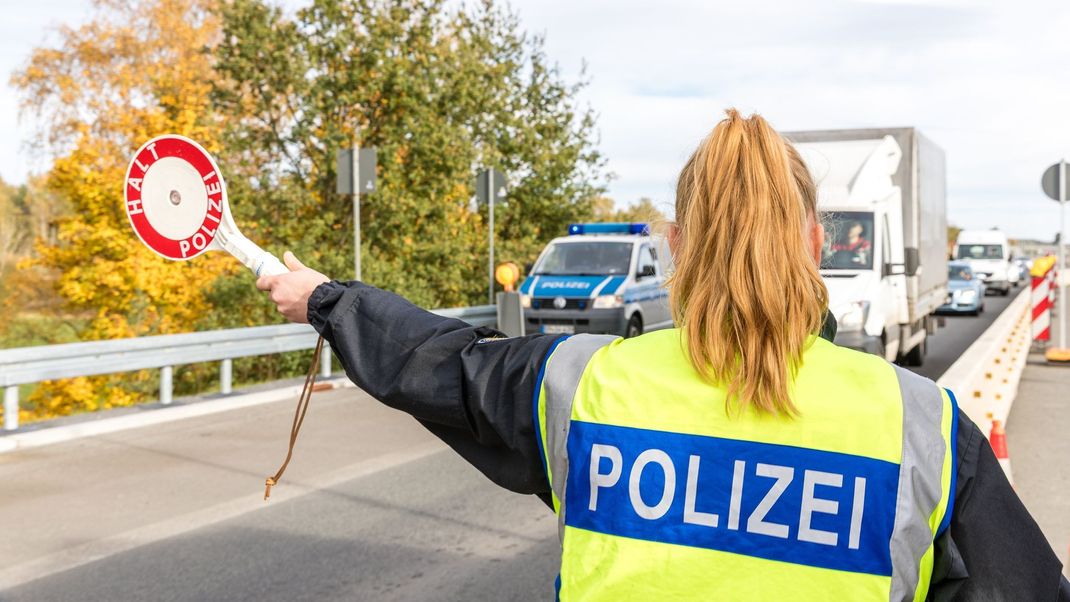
(441, 92)
(604, 209)
(136, 70)
(952, 236)
(29, 215)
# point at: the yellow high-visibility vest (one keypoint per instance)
(661, 494)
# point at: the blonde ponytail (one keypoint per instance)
(746, 291)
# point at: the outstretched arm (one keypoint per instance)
(470, 386)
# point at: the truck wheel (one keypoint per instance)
(916, 356)
(879, 348)
(635, 327)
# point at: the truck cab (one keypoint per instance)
(605, 278)
(988, 253)
(881, 199)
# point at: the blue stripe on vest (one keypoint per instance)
(777, 502)
(946, 521)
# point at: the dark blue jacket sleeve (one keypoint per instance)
(993, 550)
(470, 386)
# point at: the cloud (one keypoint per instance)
(984, 79)
(979, 78)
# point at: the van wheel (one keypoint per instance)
(635, 327)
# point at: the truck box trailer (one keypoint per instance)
(882, 198)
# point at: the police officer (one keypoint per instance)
(740, 455)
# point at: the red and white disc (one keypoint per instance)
(174, 196)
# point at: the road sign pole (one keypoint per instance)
(1061, 274)
(356, 202)
(490, 212)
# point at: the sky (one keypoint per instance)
(988, 81)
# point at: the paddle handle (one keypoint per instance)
(261, 262)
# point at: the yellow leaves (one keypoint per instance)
(139, 70)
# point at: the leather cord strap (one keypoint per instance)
(299, 418)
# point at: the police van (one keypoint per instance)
(602, 278)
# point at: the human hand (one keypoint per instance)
(290, 292)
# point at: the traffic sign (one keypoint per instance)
(367, 164)
(490, 189)
(355, 180)
(1050, 181)
(1056, 184)
(498, 186)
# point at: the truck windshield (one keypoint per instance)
(980, 252)
(579, 258)
(848, 240)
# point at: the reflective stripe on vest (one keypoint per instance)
(798, 508)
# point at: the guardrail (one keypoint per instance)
(27, 365)
(985, 377)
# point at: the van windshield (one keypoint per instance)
(848, 240)
(980, 252)
(585, 258)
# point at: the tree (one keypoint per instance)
(952, 236)
(441, 92)
(28, 216)
(12, 235)
(644, 211)
(135, 71)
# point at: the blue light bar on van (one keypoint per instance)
(609, 228)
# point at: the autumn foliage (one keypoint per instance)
(441, 92)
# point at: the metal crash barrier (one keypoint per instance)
(27, 365)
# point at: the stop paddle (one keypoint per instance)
(176, 200)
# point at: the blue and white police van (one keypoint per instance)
(602, 278)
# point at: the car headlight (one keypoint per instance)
(967, 296)
(855, 317)
(525, 301)
(608, 301)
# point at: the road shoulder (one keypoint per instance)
(1038, 439)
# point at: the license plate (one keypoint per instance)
(558, 328)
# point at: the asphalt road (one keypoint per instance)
(372, 508)
(958, 333)
(431, 529)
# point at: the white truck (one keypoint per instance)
(882, 199)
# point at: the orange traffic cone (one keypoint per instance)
(998, 439)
